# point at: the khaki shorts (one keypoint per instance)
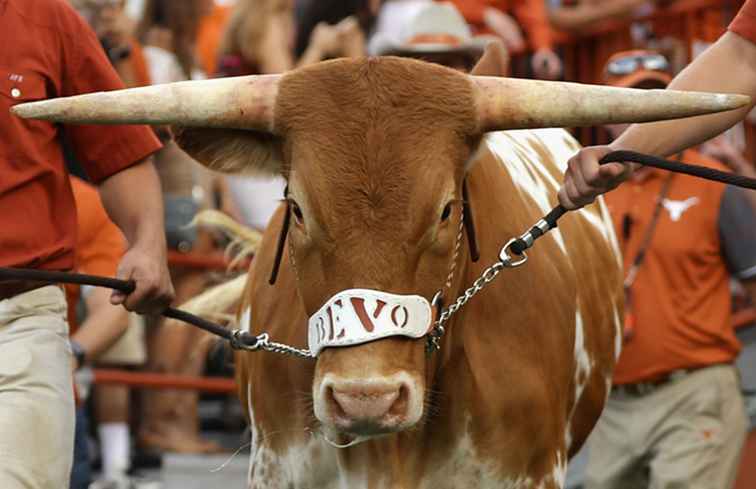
(130, 349)
(687, 433)
(36, 391)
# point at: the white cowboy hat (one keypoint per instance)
(419, 27)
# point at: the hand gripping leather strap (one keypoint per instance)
(357, 316)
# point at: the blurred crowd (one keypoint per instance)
(160, 41)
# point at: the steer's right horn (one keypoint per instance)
(244, 102)
(512, 103)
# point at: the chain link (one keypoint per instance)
(262, 342)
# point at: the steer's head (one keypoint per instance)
(374, 151)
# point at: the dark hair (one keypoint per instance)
(182, 19)
(330, 12)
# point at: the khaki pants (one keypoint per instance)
(684, 434)
(36, 396)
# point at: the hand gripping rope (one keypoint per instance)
(243, 340)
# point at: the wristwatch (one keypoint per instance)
(78, 352)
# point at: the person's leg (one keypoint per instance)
(81, 473)
(615, 447)
(699, 444)
(36, 391)
(170, 416)
(112, 413)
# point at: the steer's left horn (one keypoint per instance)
(512, 103)
(245, 102)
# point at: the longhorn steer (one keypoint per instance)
(375, 153)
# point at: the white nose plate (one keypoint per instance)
(357, 316)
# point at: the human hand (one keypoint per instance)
(147, 266)
(546, 64)
(505, 27)
(585, 179)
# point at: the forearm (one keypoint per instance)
(586, 14)
(104, 325)
(134, 203)
(729, 66)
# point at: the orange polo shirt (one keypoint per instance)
(531, 15)
(209, 35)
(744, 23)
(99, 244)
(49, 51)
(681, 296)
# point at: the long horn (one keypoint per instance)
(511, 103)
(245, 102)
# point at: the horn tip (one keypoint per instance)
(32, 110)
(734, 101)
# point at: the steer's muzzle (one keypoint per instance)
(369, 406)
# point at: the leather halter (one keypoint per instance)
(467, 220)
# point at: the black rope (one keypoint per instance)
(520, 245)
(243, 338)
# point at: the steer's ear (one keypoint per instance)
(494, 62)
(232, 150)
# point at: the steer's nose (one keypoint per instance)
(367, 407)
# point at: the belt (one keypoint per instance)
(13, 288)
(643, 388)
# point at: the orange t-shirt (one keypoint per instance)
(209, 34)
(99, 245)
(744, 23)
(49, 51)
(681, 295)
(531, 14)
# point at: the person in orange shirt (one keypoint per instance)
(489, 17)
(728, 66)
(675, 416)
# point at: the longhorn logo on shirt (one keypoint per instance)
(676, 208)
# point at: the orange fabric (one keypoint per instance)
(209, 35)
(99, 244)
(744, 23)
(531, 15)
(139, 64)
(681, 296)
(51, 52)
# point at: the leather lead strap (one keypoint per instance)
(469, 223)
(281, 241)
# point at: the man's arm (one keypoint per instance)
(133, 200)
(728, 66)
(104, 325)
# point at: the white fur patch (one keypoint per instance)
(245, 320)
(465, 468)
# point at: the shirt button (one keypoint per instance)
(15, 93)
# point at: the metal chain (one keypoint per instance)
(263, 343)
(488, 276)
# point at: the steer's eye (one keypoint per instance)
(446, 213)
(297, 212)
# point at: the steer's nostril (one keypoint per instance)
(401, 404)
(333, 403)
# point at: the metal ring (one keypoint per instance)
(506, 259)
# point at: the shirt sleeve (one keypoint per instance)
(737, 230)
(744, 23)
(103, 150)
